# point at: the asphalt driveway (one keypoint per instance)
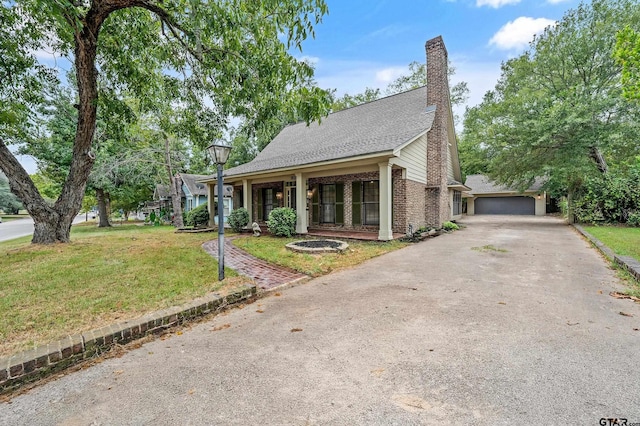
(507, 321)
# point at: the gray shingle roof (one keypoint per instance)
(193, 184)
(374, 127)
(481, 184)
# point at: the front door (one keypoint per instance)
(291, 197)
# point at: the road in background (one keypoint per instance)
(12, 229)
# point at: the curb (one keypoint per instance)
(628, 263)
(32, 365)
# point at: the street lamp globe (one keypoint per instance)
(219, 153)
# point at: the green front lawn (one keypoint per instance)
(273, 250)
(622, 240)
(102, 276)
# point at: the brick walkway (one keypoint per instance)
(265, 275)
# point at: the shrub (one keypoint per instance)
(282, 222)
(610, 198)
(198, 216)
(238, 219)
(634, 219)
(450, 226)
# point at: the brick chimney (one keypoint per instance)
(438, 209)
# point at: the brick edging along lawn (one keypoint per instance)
(32, 365)
(628, 263)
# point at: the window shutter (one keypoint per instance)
(339, 203)
(356, 196)
(315, 205)
(259, 207)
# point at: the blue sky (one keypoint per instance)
(369, 43)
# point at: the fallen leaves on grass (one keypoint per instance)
(220, 327)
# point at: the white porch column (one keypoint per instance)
(247, 198)
(386, 198)
(210, 204)
(301, 204)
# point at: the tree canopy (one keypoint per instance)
(557, 110)
(208, 61)
(627, 52)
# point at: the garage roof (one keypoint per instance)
(481, 184)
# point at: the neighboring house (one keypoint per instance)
(195, 192)
(387, 166)
(486, 197)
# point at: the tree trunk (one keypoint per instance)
(103, 212)
(53, 223)
(597, 156)
(173, 187)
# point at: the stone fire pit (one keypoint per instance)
(318, 246)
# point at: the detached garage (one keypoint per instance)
(485, 197)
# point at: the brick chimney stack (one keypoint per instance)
(438, 209)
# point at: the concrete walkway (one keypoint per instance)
(265, 275)
(507, 321)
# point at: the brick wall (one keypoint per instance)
(438, 210)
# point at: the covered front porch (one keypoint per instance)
(352, 200)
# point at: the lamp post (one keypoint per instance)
(220, 153)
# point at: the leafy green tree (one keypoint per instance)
(9, 203)
(417, 77)
(229, 55)
(557, 110)
(348, 101)
(627, 53)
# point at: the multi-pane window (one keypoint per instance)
(457, 203)
(371, 202)
(328, 206)
(267, 200)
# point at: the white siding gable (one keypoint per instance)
(450, 174)
(414, 156)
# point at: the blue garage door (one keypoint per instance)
(505, 205)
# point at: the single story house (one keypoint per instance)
(195, 192)
(387, 166)
(487, 197)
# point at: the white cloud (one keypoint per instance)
(556, 1)
(496, 3)
(387, 75)
(517, 34)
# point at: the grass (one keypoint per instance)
(272, 249)
(8, 217)
(624, 241)
(489, 248)
(102, 276)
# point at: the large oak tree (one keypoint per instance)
(230, 58)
